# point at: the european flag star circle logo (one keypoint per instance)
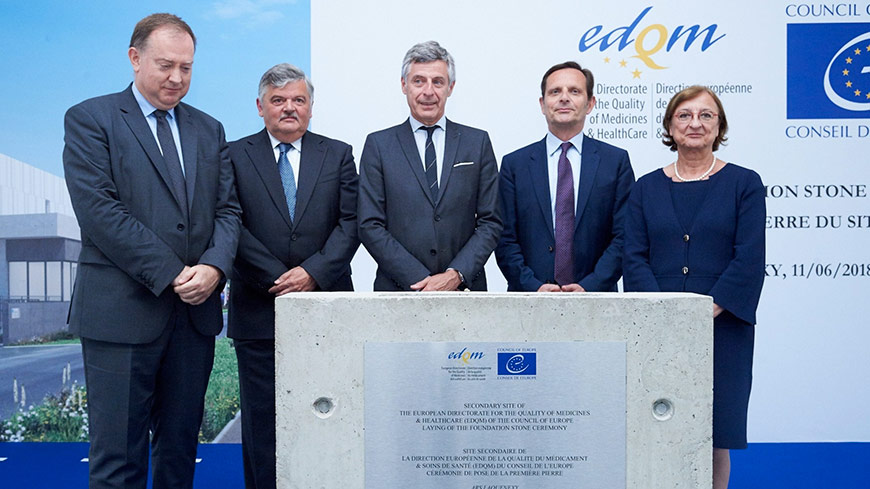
(847, 79)
(827, 74)
(520, 363)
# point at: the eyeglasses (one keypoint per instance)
(705, 117)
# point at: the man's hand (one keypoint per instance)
(549, 288)
(717, 309)
(294, 280)
(194, 284)
(448, 280)
(564, 288)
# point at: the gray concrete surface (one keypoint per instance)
(319, 353)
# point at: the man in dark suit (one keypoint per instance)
(564, 197)
(298, 193)
(429, 226)
(151, 184)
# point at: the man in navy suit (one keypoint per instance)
(298, 192)
(151, 184)
(564, 197)
(428, 205)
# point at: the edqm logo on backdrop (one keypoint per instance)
(647, 40)
(828, 71)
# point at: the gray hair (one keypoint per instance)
(280, 75)
(427, 52)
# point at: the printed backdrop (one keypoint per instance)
(794, 78)
(795, 82)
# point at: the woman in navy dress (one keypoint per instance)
(697, 225)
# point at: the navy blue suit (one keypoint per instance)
(321, 238)
(719, 253)
(525, 250)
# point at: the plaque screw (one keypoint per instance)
(323, 407)
(662, 409)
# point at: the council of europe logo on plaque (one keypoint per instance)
(517, 363)
(828, 71)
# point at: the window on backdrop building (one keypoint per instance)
(39, 281)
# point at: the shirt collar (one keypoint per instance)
(415, 124)
(275, 142)
(145, 105)
(554, 144)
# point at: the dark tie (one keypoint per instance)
(564, 258)
(287, 178)
(429, 164)
(170, 156)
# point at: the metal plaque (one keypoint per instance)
(495, 415)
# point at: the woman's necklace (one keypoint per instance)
(677, 172)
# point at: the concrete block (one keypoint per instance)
(320, 339)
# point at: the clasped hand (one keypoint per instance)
(194, 284)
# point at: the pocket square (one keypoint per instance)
(464, 163)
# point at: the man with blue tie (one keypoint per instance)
(428, 204)
(152, 187)
(564, 197)
(298, 193)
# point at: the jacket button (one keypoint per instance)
(433, 252)
(437, 218)
(294, 237)
(686, 238)
(685, 270)
(550, 249)
(180, 227)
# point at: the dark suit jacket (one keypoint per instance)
(720, 254)
(409, 234)
(135, 236)
(525, 249)
(322, 238)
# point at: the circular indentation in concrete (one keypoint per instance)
(323, 407)
(663, 409)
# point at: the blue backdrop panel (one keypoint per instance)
(761, 466)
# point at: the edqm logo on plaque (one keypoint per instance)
(828, 71)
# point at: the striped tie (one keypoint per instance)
(431, 165)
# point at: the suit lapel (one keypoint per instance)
(541, 182)
(188, 134)
(132, 115)
(262, 157)
(310, 165)
(589, 161)
(412, 156)
(451, 145)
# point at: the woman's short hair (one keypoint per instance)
(688, 94)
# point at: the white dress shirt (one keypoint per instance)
(554, 150)
(293, 155)
(151, 119)
(437, 140)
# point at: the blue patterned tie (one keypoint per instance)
(564, 258)
(287, 179)
(430, 163)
